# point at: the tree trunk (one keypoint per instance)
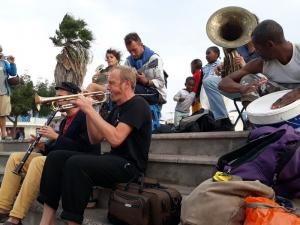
(13, 132)
(63, 74)
(71, 64)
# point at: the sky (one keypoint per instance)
(176, 30)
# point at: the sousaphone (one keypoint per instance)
(229, 28)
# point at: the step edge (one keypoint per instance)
(189, 159)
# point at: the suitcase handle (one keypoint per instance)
(143, 182)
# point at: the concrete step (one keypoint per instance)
(13, 146)
(181, 169)
(95, 216)
(175, 169)
(200, 143)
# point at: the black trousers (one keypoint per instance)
(71, 176)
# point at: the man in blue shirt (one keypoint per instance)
(7, 67)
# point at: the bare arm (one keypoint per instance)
(98, 128)
(231, 83)
(287, 99)
(177, 96)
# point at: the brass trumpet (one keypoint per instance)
(54, 100)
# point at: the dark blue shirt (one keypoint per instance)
(244, 52)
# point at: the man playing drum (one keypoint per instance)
(279, 62)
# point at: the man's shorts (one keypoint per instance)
(5, 106)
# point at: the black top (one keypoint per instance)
(75, 138)
(135, 113)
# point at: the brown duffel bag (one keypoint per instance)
(144, 204)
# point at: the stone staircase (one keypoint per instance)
(181, 160)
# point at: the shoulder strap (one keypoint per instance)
(249, 150)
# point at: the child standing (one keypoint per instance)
(196, 69)
(184, 99)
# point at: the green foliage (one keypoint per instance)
(45, 89)
(70, 31)
(22, 97)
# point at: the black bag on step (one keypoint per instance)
(202, 121)
(144, 204)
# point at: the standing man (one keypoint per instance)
(7, 67)
(72, 135)
(128, 131)
(279, 62)
(151, 82)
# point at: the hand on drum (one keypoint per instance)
(287, 99)
(253, 86)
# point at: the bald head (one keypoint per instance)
(268, 30)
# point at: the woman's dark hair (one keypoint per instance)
(215, 49)
(115, 53)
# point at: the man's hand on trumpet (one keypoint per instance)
(84, 103)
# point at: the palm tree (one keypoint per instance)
(75, 39)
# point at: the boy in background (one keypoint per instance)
(184, 99)
(196, 69)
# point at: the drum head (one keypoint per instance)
(260, 112)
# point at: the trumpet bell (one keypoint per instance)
(231, 27)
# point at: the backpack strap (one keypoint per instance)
(249, 150)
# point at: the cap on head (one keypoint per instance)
(68, 86)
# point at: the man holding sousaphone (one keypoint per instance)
(72, 135)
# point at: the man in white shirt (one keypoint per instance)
(279, 62)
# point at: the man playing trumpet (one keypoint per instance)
(128, 132)
(72, 135)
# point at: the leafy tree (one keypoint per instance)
(75, 39)
(21, 100)
(45, 89)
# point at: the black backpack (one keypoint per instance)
(201, 121)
